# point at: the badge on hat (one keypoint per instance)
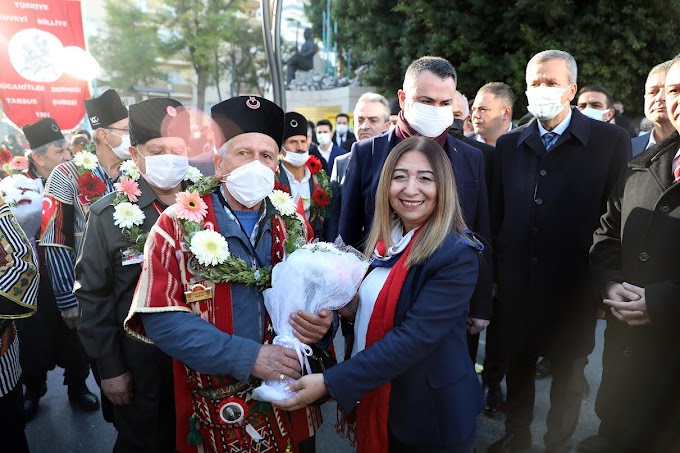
(42, 132)
(106, 109)
(155, 118)
(245, 114)
(296, 124)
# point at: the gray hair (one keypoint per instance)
(548, 55)
(466, 102)
(374, 97)
(661, 68)
(436, 65)
(42, 149)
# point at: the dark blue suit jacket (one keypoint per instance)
(640, 143)
(361, 183)
(335, 152)
(436, 395)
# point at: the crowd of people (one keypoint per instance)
(132, 255)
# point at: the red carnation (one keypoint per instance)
(283, 187)
(5, 155)
(314, 164)
(90, 186)
(320, 196)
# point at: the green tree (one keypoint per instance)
(614, 43)
(129, 49)
(196, 29)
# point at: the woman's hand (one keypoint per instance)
(309, 389)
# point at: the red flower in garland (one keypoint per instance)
(279, 186)
(320, 196)
(314, 164)
(5, 155)
(90, 186)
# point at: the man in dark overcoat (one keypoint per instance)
(636, 264)
(551, 182)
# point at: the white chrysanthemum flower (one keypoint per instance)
(282, 202)
(86, 160)
(129, 169)
(127, 215)
(194, 175)
(11, 195)
(209, 247)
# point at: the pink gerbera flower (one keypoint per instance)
(19, 163)
(129, 187)
(191, 207)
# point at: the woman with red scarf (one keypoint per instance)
(410, 383)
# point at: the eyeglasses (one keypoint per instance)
(118, 128)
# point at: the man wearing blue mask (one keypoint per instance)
(136, 377)
(426, 100)
(596, 102)
(550, 186)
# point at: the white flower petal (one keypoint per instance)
(209, 247)
(127, 215)
(283, 202)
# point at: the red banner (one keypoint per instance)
(40, 45)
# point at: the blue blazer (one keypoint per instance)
(361, 183)
(436, 395)
(640, 143)
(335, 152)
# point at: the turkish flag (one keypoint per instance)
(37, 40)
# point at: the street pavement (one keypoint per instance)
(60, 428)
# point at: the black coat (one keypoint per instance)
(545, 207)
(638, 242)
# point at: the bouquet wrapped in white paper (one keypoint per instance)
(24, 198)
(314, 277)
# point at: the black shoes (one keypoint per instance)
(82, 398)
(596, 444)
(32, 401)
(493, 398)
(511, 442)
(543, 368)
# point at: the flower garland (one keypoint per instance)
(127, 215)
(211, 257)
(91, 187)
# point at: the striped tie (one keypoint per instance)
(676, 167)
(548, 140)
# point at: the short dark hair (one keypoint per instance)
(325, 122)
(500, 90)
(436, 65)
(342, 115)
(598, 89)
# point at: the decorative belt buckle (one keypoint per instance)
(233, 412)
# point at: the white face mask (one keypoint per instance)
(545, 103)
(595, 113)
(166, 170)
(428, 120)
(249, 184)
(296, 159)
(122, 150)
(341, 129)
(323, 138)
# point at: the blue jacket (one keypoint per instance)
(335, 152)
(640, 142)
(436, 395)
(361, 183)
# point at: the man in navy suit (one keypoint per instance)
(328, 150)
(551, 182)
(426, 100)
(655, 109)
(342, 136)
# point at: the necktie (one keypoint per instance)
(676, 167)
(549, 139)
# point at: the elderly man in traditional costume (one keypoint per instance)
(199, 296)
(108, 271)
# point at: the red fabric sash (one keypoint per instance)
(371, 414)
(404, 131)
